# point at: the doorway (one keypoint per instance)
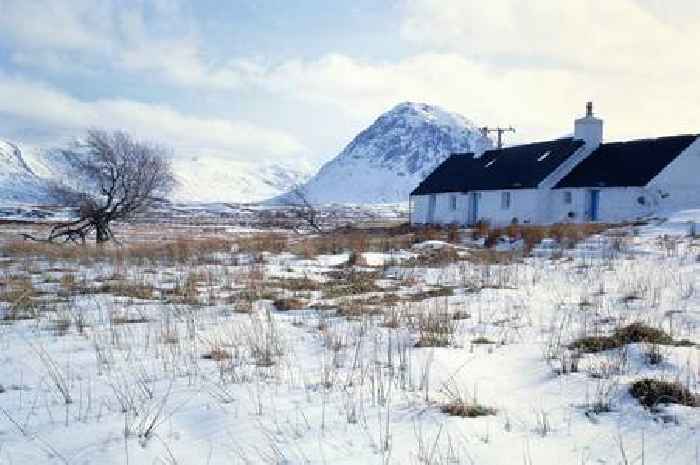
(594, 205)
(431, 209)
(473, 212)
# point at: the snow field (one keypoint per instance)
(138, 361)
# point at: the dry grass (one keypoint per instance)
(350, 282)
(633, 333)
(431, 257)
(435, 329)
(187, 291)
(20, 295)
(287, 304)
(652, 392)
(567, 234)
(467, 410)
(217, 354)
(492, 257)
(296, 284)
(179, 250)
(134, 290)
(263, 242)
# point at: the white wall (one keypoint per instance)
(541, 206)
(524, 206)
(678, 185)
(616, 204)
(444, 214)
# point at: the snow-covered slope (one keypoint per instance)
(215, 179)
(18, 182)
(25, 173)
(386, 161)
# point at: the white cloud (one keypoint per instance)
(189, 135)
(79, 25)
(530, 64)
(541, 102)
(622, 35)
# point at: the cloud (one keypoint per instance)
(631, 36)
(530, 64)
(80, 25)
(541, 102)
(189, 135)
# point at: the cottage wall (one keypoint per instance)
(678, 185)
(443, 214)
(615, 204)
(524, 207)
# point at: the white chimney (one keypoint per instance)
(589, 128)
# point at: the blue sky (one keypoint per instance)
(296, 80)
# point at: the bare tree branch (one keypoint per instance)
(303, 209)
(112, 179)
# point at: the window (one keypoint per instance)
(505, 200)
(567, 197)
(453, 202)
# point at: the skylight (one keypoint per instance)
(544, 155)
(490, 163)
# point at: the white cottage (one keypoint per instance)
(575, 179)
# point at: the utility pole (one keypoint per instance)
(486, 130)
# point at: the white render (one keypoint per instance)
(589, 128)
(523, 207)
(677, 186)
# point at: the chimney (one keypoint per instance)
(589, 128)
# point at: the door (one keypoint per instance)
(431, 209)
(473, 213)
(594, 205)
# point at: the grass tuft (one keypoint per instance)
(652, 392)
(630, 334)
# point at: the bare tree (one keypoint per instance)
(113, 179)
(302, 208)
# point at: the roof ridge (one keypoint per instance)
(550, 141)
(648, 139)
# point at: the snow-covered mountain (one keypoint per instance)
(18, 181)
(386, 161)
(214, 179)
(382, 164)
(25, 173)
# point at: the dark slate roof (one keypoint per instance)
(632, 163)
(517, 167)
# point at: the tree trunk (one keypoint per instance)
(102, 233)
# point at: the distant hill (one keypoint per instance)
(26, 172)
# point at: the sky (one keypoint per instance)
(294, 81)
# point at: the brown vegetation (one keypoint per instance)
(652, 392)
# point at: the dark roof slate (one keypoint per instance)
(517, 167)
(626, 164)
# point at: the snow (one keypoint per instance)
(386, 161)
(18, 183)
(333, 394)
(25, 171)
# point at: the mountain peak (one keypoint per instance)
(384, 162)
(422, 113)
